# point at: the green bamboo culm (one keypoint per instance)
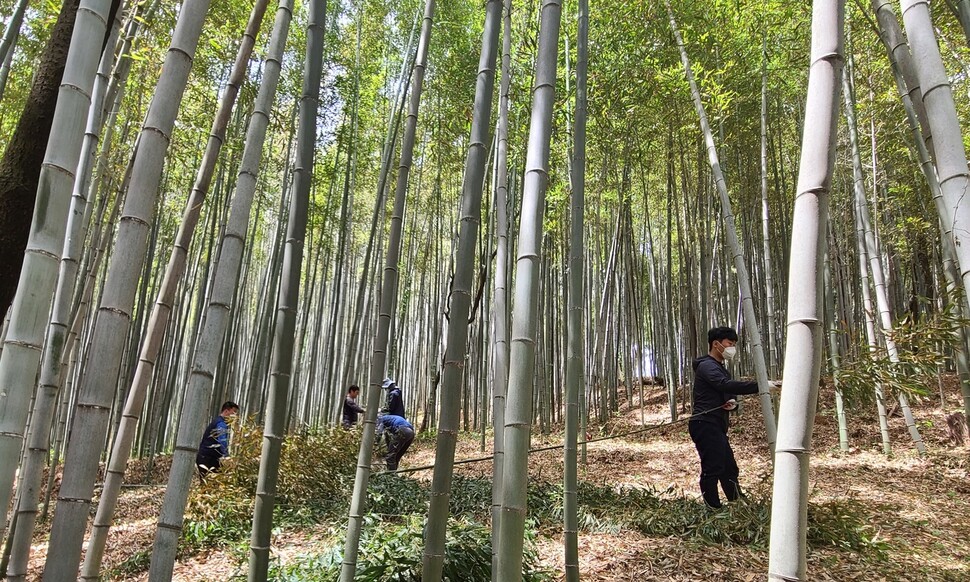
(500, 311)
(212, 335)
(575, 369)
(457, 341)
(518, 414)
(787, 556)
(274, 429)
(20, 358)
(389, 284)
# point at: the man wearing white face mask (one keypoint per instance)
(714, 396)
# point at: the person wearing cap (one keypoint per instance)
(714, 395)
(395, 401)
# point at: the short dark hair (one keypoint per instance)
(229, 405)
(716, 334)
(353, 388)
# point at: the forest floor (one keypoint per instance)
(914, 513)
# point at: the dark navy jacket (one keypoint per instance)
(395, 402)
(215, 440)
(713, 387)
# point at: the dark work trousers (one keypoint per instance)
(397, 446)
(717, 462)
(206, 464)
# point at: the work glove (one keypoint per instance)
(730, 404)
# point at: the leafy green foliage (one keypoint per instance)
(394, 495)
(922, 346)
(841, 524)
(392, 552)
(315, 468)
(135, 563)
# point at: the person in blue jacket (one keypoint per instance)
(215, 440)
(400, 435)
(714, 395)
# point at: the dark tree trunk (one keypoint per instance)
(21, 162)
(24, 154)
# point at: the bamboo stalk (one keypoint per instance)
(787, 560)
(31, 305)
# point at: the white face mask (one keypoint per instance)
(729, 352)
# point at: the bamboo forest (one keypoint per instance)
(495, 291)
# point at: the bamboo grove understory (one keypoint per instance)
(527, 214)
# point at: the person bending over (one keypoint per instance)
(400, 435)
(215, 440)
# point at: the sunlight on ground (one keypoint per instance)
(919, 507)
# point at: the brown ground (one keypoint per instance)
(920, 507)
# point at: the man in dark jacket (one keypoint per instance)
(395, 401)
(215, 440)
(714, 396)
(351, 408)
(399, 434)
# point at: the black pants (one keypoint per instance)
(206, 464)
(717, 462)
(397, 445)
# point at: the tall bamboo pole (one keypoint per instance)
(834, 355)
(500, 313)
(388, 303)
(518, 416)
(574, 319)
(274, 426)
(31, 305)
(158, 321)
(765, 223)
(751, 327)
(212, 336)
(787, 559)
(55, 344)
(456, 348)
